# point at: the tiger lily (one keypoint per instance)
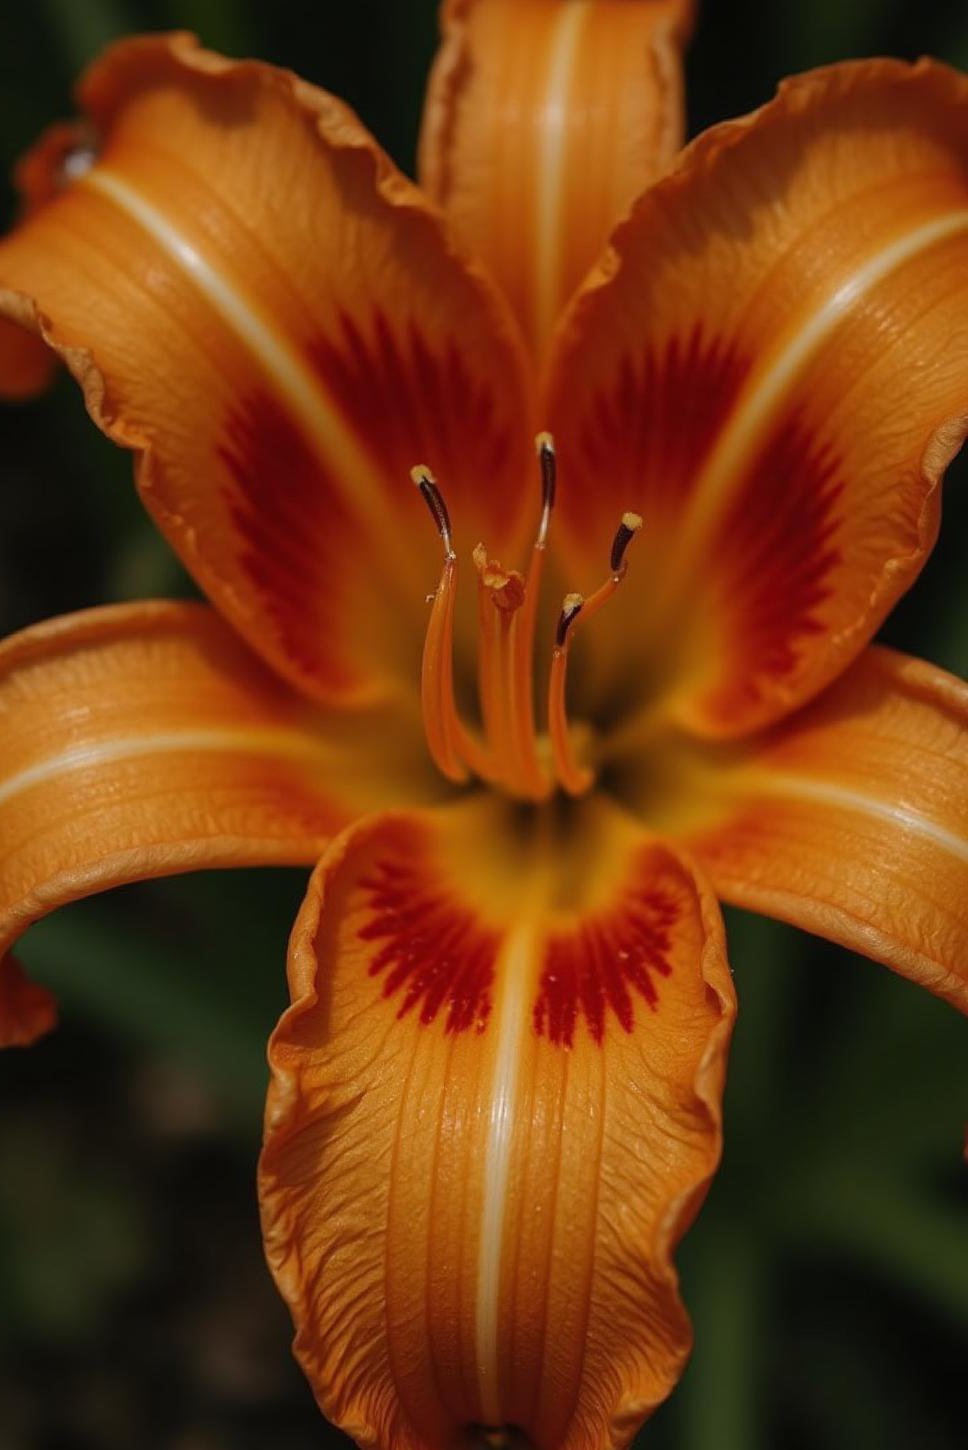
(495, 1103)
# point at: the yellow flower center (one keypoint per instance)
(507, 752)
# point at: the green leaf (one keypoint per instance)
(155, 996)
(220, 24)
(81, 30)
(725, 1271)
(907, 1235)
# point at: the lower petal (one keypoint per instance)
(495, 1108)
(851, 820)
(143, 740)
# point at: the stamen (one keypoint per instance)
(507, 613)
(570, 608)
(437, 677)
(441, 724)
(624, 534)
(434, 499)
(573, 777)
(523, 734)
(545, 448)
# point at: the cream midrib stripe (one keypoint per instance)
(292, 379)
(82, 757)
(514, 972)
(803, 788)
(549, 182)
(764, 392)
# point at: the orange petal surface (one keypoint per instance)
(260, 305)
(772, 368)
(544, 120)
(493, 1113)
(142, 740)
(851, 820)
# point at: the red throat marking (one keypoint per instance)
(607, 963)
(432, 953)
(435, 958)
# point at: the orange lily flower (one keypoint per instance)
(495, 1099)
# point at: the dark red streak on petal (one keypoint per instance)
(293, 529)
(413, 402)
(649, 431)
(407, 401)
(605, 965)
(778, 547)
(433, 954)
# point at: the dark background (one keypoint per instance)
(828, 1274)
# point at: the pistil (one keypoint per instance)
(509, 755)
(501, 594)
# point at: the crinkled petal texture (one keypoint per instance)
(141, 740)
(544, 121)
(772, 368)
(851, 820)
(495, 1107)
(260, 305)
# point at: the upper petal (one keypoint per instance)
(494, 1111)
(260, 305)
(851, 820)
(143, 740)
(772, 368)
(544, 120)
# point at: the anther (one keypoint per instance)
(545, 448)
(570, 609)
(624, 534)
(434, 499)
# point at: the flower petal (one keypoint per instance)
(773, 371)
(493, 1114)
(26, 364)
(274, 319)
(543, 123)
(27, 1010)
(143, 740)
(851, 820)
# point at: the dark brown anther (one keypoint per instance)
(624, 534)
(570, 609)
(434, 500)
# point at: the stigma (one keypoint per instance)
(508, 750)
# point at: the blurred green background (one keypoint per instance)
(828, 1274)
